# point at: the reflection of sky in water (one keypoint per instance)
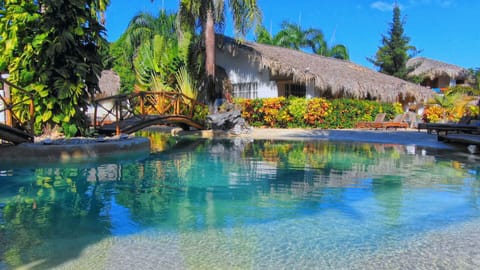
(294, 199)
(120, 219)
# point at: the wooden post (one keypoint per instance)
(117, 122)
(95, 114)
(177, 105)
(32, 118)
(142, 103)
(8, 102)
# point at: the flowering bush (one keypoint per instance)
(296, 108)
(271, 110)
(435, 114)
(316, 112)
(251, 110)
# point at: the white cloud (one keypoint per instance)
(382, 6)
(441, 3)
(388, 6)
(446, 3)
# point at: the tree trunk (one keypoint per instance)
(210, 54)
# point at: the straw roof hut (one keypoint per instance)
(429, 68)
(331, 77)
(109, 84)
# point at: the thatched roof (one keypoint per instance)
(331, 77)
(109, 84)
(429, 68)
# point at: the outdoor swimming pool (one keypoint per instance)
(233, 204)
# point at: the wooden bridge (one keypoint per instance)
(127, 113)
(16, 129)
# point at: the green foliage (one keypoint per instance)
(450, 107)
(185, 83)
(123, 63)
(151, 57)
(293, 36)
(56, 53)
(314, 113)
(462, 90)
(156, 63)
(200, 113)
(391, 58)
(297, 107)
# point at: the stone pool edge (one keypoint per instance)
(79, 152)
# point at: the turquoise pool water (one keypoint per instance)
(232, 204)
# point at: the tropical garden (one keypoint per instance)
(56, 50)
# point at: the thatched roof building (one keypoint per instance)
(438, 74)
(432, 68)
(109, 84)
(330, 77)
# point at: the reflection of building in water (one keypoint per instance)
(107, 172)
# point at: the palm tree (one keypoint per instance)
(143, 27)
(209, 14)
(294, 37)
(338, 51)
(263, 36)
(147, 54)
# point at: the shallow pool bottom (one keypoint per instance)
(264, 247)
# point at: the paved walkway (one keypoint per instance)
(404, 137)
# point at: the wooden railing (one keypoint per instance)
(12, 115)
(141, 104)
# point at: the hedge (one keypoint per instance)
(294, 112)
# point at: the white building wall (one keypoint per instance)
(240, 70)
(310, 90)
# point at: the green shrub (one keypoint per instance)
(294, 112)
(297, 108)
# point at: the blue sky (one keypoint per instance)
(445, 30)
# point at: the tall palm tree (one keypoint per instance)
(210, 14)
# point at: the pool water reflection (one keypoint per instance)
(235, 204)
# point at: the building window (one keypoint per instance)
(297, 90)
(245, 90)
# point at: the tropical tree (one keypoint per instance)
(208, 15)
(150, 55)
(54, 49)
(263, 36)
(140, 51)
(294, 37)
(122, 63)
(391, 58)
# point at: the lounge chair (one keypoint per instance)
(377, 123)
(397, 122)
(465, 125)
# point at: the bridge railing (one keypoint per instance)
(116, 108)
(14, 117)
